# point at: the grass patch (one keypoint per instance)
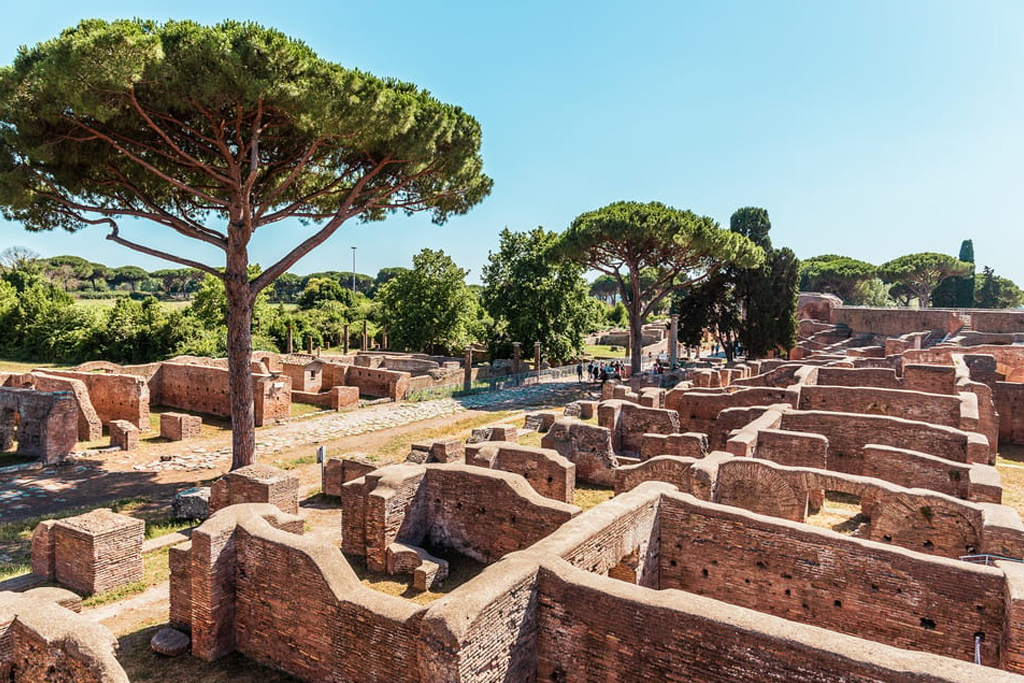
(295, 463)
(587, 496)
(114, 595)
(213, 425)
(530, 439)
(22, 367)
(302, 409)
(605, 351)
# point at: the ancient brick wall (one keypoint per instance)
(909, 405)
(293, 603)
(894, 322)
(256, 484)
(591, 628)
(45, 425)
(690, 444)
(864, 589)
(883, 378)
(848, 433)
(205, 389)
(335, 398)
(676, 470)
(550, 475)
(375, 382)
(633, 421)
(997, 321)
(795, 449)
(42, 641)
(90, 428)
(1009, 398)
(114, 396)
(587, 446)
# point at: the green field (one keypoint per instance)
(109, 303)
(605, 351)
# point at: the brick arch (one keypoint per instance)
(756, 485)
(927, 524)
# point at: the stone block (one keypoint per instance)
(62, 596)
(179, 426)
(124, 435)
(192, 503)
(540, 421)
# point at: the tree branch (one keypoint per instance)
(115, 237)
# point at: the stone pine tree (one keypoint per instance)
(915, 276)
(653, 250)
(216, 133)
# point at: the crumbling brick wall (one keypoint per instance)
(909, 405)
(90, 553)
(43, 641)
(375, 382)
(868, 590)
(114, 396)
(893, 322)
(44, 425)
(90, 428)
(205, 389)
(550, 475)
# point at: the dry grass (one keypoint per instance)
(19, 367)
(841, 512)
(460, 570)
(398, 447)
(587, 496)
(1010, 464)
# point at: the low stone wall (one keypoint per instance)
(628, 422)
(376, 382)
(1002, 322)
(699, 410)
(202, 388)
(90, 428)
(909, 405)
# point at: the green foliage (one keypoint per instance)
(915, 276)
(957, 291)
(871, 292)
(429, 306)
(605, 288)
(833, 274)
(321, 289)
(995, 291)
(653, 250)
(618, 316)
(534, 296)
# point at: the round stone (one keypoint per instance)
(170, 642)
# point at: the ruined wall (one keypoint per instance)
(848, 433)
(90, 428)
(294, 604)
(628, 422)
(894, 322)
(883, 378)
(205, 389)
(483, 514)
(42, 641)
(1003, 322)
(114, 396)
(45, 425)
(698, 411)
(864, 589)
(1009, 398)
(550, 475)
(375, 382)
(909, 405)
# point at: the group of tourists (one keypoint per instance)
(600, 372)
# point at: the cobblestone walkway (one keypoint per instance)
(315, 430)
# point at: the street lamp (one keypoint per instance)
(353, 271)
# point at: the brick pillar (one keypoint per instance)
(309, 345)
(291, 341)
(1011, 654)
(345, 346)
(365, 341)
(467, 370)
(536, 356)
(383, 338)
(516, 354)
(673, 340)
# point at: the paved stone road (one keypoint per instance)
(316, 430)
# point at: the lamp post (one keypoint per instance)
(353, 271)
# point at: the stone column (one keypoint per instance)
(383, 338)
(536, 356)
(291, 341)
(467, 370)
(673, 340)
(516, 355)
(345, 342)
(366, 341)
(309, 345)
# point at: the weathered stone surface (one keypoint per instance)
(170, 642)
(587, 446)
(193, 503)
(256, 484)
(180, 426)
(46, 423)
(124, 435)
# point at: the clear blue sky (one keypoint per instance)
(871, 128)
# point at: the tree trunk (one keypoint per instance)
(243, 416)
(635, 323)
